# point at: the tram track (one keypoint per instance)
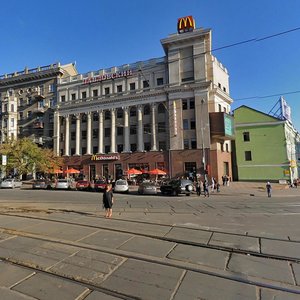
(150, 259)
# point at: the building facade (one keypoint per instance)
(149, 114)
(27, 100)
(267, 147)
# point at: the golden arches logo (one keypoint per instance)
(185, 24)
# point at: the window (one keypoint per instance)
(145, 84)
(160, 81)
(83, 135)
(107, 132)
(95, 116)
(29, 100)
(246, 136)
(227, 147)
(162, 145)
(62, 98)
(147, 110)
(120, 148)
(133, 111)
(83, 150)
(224, 109)
(192, 103)
(21, 115)
(186, 144)
(106, 91)
(12, 108)
(95, 93)
(193, 144)
(161, 108)
(224, 89)
(83, 118)
(147, 146)
(119, 131)
(95, 133)
(220, 107)
(184, 104)
(132, 129)
(219, 85)
(193, 124)
(107, 115)
(12, 122)
(51, 88)
(73, 96)
(133, 147)
(190, 166)
(147, 128)
(95, 149)
(119, 88)
(83, 95)
(73, 135)
(107, 149)
(132, 86)
(161, 127)
(248, 156)
(119, 113)
(29, 114)
(185, 124)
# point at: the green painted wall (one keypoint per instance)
(267, 145)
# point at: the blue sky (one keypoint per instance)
(100, 34)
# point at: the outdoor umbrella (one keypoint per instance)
(134, 171)
(157, 172)
(72, 171)
(56, 171)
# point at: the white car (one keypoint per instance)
(121, 186)
(11, 183)
(65, 184)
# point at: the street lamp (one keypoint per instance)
(202, 138)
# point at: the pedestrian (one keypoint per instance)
(213, 186)
(108, 200)
(218, 187)
(205, 188)
(198, 188)
(269, 189)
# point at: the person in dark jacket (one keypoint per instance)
(269, 188)
(108, 200)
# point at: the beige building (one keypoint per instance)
(150, 114)
(27, 99)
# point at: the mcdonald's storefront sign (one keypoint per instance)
(186, 24)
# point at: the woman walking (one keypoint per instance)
(108, 200)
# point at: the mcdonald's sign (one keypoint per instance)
(186, 24)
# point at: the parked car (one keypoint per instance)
(83, 185)
(41, 184)
(99, 185)
(121, 186)
(177, 186)
(147, 188)
(65, 184)
(11, 183)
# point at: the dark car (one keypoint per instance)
(83, 185)
(41, 184)
(177, 186)
(99, 185)
(147, 188)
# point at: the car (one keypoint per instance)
(65, 184)
(121, 186)
(177, 186)
(11, 183)
(147, 188)
(41, 184)
(99, 185)
(83, 185)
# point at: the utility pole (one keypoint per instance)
(202, 138)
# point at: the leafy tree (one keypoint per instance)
(26, 157)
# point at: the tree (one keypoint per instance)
(24, 156)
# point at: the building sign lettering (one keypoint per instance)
(104, 77)
(105, 157)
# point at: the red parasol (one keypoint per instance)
(56, 171)
(157, 172)
(72, 171)
(134, 171)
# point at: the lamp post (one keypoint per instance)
(202, 138)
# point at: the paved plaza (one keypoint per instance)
(236, 244)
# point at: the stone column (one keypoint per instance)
(67, 135)
(56, 133)
(153, 128)
(89, 134)
(78, 129)
(126, 132)
(113, 131)
(140, 129)
(100, 134)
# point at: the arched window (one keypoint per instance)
(147, 109)
(12, 108)
(161, 108)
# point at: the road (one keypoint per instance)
(236, 244)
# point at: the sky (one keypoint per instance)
(101, 34)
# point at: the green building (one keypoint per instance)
(266, 147)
